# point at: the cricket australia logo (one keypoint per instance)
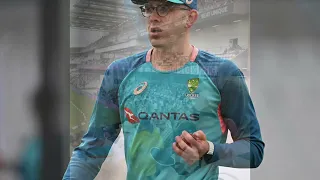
(192, 87)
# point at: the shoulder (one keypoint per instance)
(114, 75)
(127, 64)
(216, 66)
(120, 68)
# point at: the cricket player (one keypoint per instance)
(175, 104)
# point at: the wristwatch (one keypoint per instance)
(211, 148)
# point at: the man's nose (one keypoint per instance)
(154, 16)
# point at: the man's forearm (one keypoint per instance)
(82, 167)
(239, 154)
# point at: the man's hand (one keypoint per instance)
(191, 147)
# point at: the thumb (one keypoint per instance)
(200, 135)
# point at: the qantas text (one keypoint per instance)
(167, 116)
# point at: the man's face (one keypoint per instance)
(165, 29)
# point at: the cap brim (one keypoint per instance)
(141, 2)
(175, 1)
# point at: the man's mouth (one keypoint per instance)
(155, 30)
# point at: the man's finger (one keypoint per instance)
(200, 135)
(177, 149)
(190, 139)
(183, 146)
(186, 157)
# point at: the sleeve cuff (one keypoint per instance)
(208, 158)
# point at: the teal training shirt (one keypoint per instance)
(152, 107)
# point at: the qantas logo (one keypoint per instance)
(167, 116)
(130, 116)
(159, 116)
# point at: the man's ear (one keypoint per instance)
(192, 18)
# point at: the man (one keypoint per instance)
(175, 104)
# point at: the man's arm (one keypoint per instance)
(103, 130)
(238, 113)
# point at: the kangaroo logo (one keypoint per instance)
(130, 116)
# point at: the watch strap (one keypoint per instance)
(211, 148)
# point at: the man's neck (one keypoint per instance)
(171, 58)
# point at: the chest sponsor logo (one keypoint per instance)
(168, 116)
(160, 116)
(193, 85)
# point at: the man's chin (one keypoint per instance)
(158, 42)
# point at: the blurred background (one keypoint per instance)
(19, 78)
(53, 56)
